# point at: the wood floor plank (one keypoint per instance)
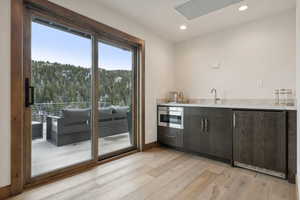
(193, 190)
(162, 159)
(174, 187)
(163, 180)
(155, 172)
(293, 192)
(114, 186)
(127, 188)
(279, 190)
(219, 186)
(238, 188)
(258, 190)
(98, 181)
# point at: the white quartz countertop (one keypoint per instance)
(235, 104)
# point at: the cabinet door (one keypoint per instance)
(274, 128)
(219, 128)
(260, 139)
(195, 138)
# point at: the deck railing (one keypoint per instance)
(41, 110)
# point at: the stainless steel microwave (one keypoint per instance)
(170, 117)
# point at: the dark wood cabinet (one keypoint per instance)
(260, 139)
(170, 136)
(195, 137)
(208, 131)
(219, 129)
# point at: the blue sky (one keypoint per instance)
(53, 45)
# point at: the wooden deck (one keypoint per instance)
(160, 174)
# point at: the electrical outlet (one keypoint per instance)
(217, 65)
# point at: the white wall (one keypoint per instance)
(159, 63)
(260, 50)
(5, 92)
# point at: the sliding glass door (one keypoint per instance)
(116, 97)
(61, 86)
(80, 98)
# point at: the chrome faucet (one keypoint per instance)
(214, 91)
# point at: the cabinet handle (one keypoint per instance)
(206, 125)
(202, 125)
(234, 123)
(170, 136)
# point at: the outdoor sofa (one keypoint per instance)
(75, 125)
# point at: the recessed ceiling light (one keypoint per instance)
(183, 27)
(243, 7)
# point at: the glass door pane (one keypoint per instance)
(61, 114)
(116, 84)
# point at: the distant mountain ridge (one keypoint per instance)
(62, 83)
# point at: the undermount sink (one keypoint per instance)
(210, 101)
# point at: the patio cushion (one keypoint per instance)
(105, 113)
(76, 116)
(120, 112)
(120, 109)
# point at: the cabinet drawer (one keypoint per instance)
(170, 136)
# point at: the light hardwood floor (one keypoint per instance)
(160, 174)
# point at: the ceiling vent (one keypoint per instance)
(195, 8)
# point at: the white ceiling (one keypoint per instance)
(161, 17)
